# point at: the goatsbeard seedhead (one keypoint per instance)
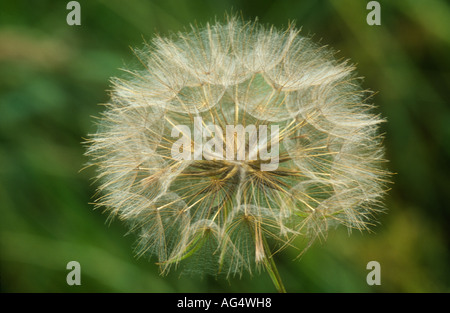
(192, 191)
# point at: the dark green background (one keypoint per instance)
(52, 76)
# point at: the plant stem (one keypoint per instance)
(271, 268)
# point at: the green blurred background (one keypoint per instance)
(53, 76)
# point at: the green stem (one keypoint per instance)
(271, 268)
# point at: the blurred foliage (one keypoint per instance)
(52, 76)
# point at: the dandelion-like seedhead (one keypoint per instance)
(222, 213)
